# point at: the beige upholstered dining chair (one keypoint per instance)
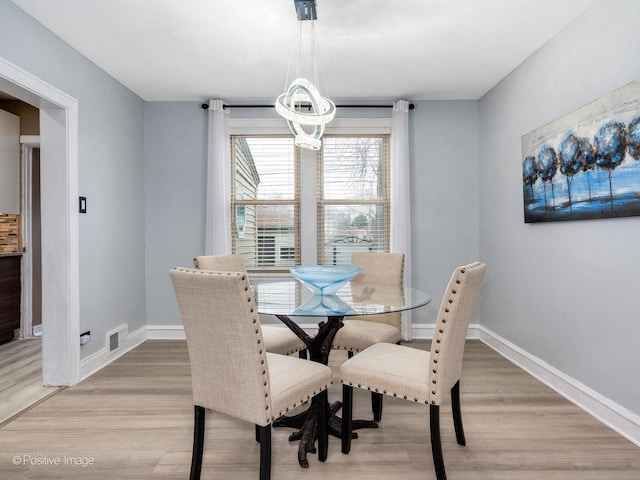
(231, 371)
(277, 339)
(418, 375)
(359, 333)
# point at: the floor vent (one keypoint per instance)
(116, 339)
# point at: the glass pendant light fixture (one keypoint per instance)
(302, 104)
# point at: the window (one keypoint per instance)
(265, 197)
(293, 206)
(353, 197)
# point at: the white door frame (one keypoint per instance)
(60, 241)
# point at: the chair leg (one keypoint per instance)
(347, 417)
(265, 452)
(457, 414)
(436, 445)
(376, 405)
(198, 442)
(323, 431)
(303, 354)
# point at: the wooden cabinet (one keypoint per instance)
(9, 296)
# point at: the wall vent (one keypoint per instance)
(116, 339)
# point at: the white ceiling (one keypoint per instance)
(175, 50)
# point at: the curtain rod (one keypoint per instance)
(205, 106)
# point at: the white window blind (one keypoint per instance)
(265, 201)
(353, 197)
(351, 191)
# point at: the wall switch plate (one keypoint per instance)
(82, 204)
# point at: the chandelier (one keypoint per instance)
(303, 94)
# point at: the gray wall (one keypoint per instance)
(111, 173)
(444, 195)
(566, 292)
(175, 135)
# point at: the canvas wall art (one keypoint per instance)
(586, 164)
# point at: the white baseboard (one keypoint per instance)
(165, 332)
(176, 332)
(423, 331)
(615, 416)
(101, 358)
(618, 418)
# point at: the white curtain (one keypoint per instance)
(401, 196)
(218, 211)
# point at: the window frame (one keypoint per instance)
(384, 200)
(293, 202)
(308, 171)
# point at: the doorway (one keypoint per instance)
(59, 226)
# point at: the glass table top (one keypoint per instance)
(292, 298)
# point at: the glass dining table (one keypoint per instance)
(295, 305)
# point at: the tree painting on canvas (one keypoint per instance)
(586, 164)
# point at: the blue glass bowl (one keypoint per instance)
(324, 279)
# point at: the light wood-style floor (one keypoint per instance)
(133, 420)
(21, 377)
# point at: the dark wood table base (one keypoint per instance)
(318, 347)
